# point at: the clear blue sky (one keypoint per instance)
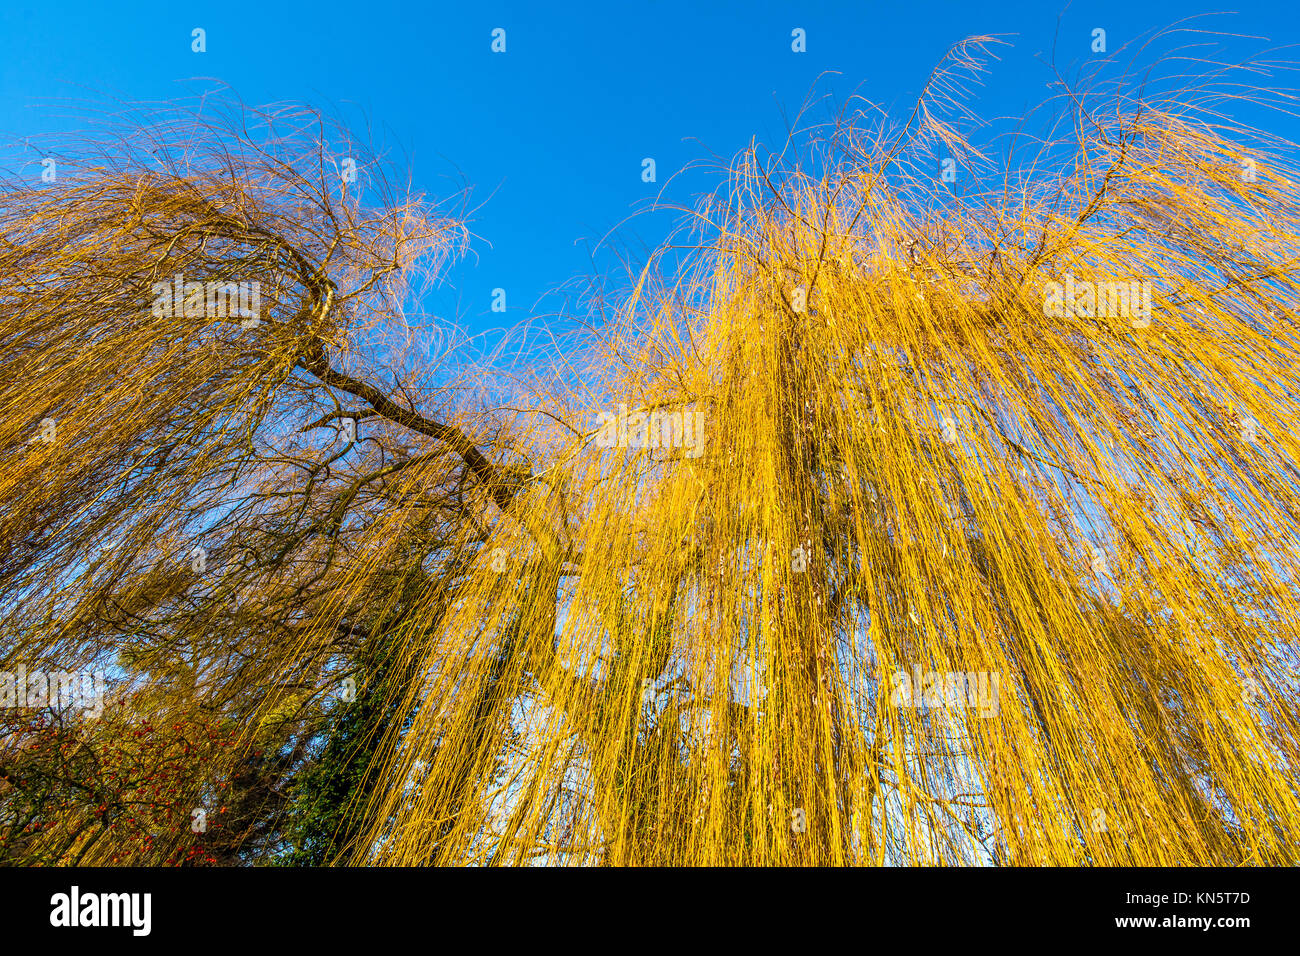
(552, 133)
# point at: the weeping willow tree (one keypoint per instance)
(888, 530)
(212, 493)
(892, 526)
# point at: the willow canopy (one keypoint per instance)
(890, 524)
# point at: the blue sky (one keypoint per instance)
(552, 133)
